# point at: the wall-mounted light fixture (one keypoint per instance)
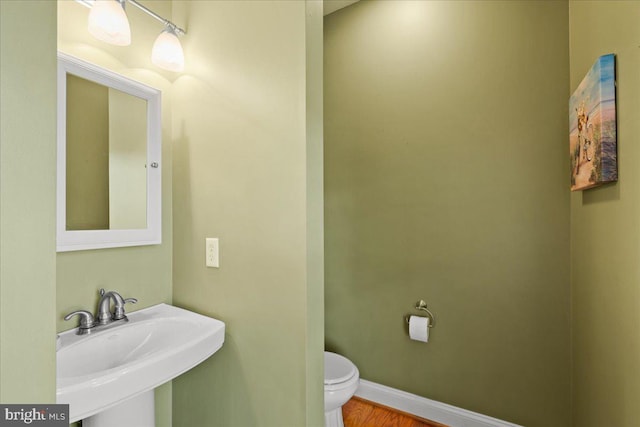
(167, 50)
(108, 22)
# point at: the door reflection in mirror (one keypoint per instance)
(106, 177)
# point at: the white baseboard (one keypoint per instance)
(426, 408)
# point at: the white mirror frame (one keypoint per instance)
(76, 240)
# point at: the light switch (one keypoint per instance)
(212, 252)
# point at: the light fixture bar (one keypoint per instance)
(151, 13)
(166, 22)
(86, 3)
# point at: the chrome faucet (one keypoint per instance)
(105, 317)
(104, 307)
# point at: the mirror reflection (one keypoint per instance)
(106, 155)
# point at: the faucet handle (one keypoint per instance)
(86, 320)
(119, 309)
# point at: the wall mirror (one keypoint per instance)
(109, 148)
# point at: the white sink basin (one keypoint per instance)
(106, 367)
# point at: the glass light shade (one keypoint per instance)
(108, 22)
(167, 51)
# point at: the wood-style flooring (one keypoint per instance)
(363, 413)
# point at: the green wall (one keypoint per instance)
(27, 201)
(605, 232)
(247, 155)
(446, 179)
(315, 213)
(143, 272)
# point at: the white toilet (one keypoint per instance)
(341, 379)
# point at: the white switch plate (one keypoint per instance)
(212, 252)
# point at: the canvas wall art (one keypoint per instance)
(592, 124)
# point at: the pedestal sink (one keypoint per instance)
(109, 367)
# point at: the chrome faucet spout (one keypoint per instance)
(104, 306)
(105, 315)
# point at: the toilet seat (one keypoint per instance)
(341, 380)
(337, 370)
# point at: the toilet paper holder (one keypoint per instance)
(422, 305)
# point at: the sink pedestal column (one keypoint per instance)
(139, 411)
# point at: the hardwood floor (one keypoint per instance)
(363, 413)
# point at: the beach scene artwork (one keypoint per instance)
(592, 124)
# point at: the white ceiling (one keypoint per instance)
(333, 5)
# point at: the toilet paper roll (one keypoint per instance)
(419, 328)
